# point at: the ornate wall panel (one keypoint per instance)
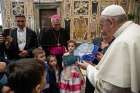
(84, 16)
(80, 13)
(6, 14)
(15, 7)
(137, 11)
(29, 13)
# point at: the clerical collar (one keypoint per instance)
(122, 28)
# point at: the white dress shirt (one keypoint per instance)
(21, 38)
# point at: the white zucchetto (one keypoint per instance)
(113, 10)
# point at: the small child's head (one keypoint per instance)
(5, 89)
(71, 45)
(39, 54)
(26, 76)
(51, 60)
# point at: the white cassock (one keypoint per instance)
(119, 69)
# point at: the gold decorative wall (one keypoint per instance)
(136, 12)
(6, 14)
(11, 8)
(84, 16)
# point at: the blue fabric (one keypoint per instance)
(86, 52)
(47, 75)
(92, 56)
(95, 49)
(52, 82)
(3, 79)
(88, 57)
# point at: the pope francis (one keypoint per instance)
(118, 70)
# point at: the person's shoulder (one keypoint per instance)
(97, 39)
(50, 30)
(62, 28)
(29, 29)
(13, 29)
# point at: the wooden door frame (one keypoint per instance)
(38, 6)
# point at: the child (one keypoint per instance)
(3, 78)
(71, 46)
(53, 72)
(40, 56)
(26, 76)
(72, 80)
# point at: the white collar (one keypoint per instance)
(122, 28)
(19, 30)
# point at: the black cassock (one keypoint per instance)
(52, 38)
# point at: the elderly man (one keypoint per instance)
(118, 70)
(55, 39)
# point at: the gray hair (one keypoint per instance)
(119, 18)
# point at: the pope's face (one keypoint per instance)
(106, 28)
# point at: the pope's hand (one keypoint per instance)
(99, 56)
(83, 65)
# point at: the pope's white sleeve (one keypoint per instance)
(91, 74)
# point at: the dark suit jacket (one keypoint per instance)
(1, 51)
(31, 43)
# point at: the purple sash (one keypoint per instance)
(57, 50)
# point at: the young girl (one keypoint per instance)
(71, 80)
(53, 73)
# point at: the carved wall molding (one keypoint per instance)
(84, 16)
(11, 8)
